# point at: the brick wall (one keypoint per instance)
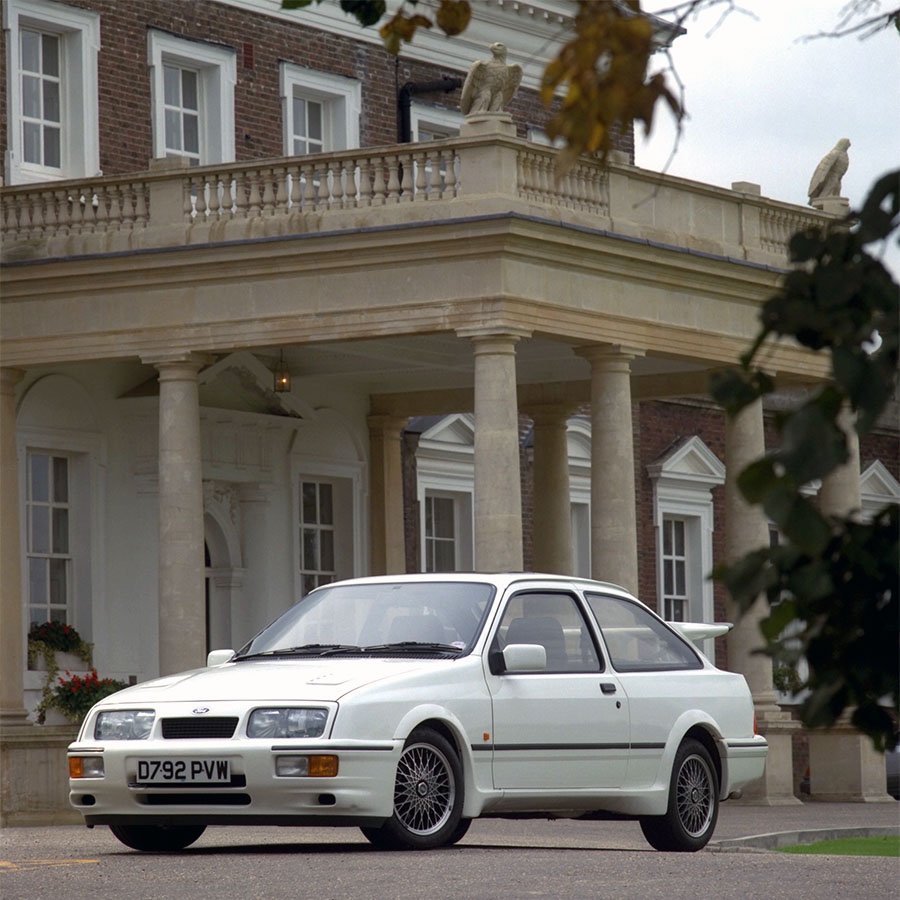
(260, 43)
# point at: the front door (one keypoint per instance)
(567, 726)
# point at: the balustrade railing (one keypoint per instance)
(174, 206)
(777, 225)
(53, 210)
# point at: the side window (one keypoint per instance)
(320, 111)
(51, 91)
(636, 640)
(554, 621)
(192, 88)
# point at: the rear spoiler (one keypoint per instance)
(697, 631)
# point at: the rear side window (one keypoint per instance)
(636, 640)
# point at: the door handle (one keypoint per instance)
(607, 687)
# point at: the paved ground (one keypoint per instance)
(541, 859)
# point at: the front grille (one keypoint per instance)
(185, 729)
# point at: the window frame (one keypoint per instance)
(499, 641)
(683, 481)
(79, 47)
(656, 625)
(319, 527)
(441, 119)
(216, 67)
(341, 100)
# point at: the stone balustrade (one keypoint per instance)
(173, 205)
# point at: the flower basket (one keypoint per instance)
(74, 695)
(49, 640)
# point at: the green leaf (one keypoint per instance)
(758, 480)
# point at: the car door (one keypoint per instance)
(661, 672)
(565, 726)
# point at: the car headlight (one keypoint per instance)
(287, 722)
(124, 725)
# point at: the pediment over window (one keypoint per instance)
(690, 461)
(455, 432)
(878, 487)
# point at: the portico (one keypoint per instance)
(502, 294)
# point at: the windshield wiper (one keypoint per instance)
(413, 647)
(303, 650)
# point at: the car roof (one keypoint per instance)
(500, 580)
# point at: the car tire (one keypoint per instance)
(428, 797)
(693, 809)
(157, 838)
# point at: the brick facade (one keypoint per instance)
(260, 43)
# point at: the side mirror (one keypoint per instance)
(218, 657)
(525, 658)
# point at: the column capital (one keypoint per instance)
(550, 414)
(388, 425)
(483, 335)
(609, 356)
(9, 378)
(178, 359)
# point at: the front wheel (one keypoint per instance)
(157, 837)
(428, 797)
(693, 808)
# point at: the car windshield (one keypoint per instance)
(426, 616)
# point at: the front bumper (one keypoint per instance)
(361, 793)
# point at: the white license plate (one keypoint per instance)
(183, 771)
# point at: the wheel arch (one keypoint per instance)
(704, 735)
(450, 728)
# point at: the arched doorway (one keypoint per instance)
(223, 582)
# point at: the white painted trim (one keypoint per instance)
(80, 46)
(683, 480)
(534, 32)
(877, 489)
(439, 117)
(341, 97)
(217, 68)
(89, 450)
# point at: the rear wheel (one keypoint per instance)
(157, 837)
(428, 797)
(693, 808)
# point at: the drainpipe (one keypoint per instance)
(404, 101)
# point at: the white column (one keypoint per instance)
(840, 491)
(746, 530)
(613, 503)
(12, 634)
(498, 489)
(182, 612)
(552, 520)
(842, 764)
(386, 527)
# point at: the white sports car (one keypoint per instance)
(410, 705)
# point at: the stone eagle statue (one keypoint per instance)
(826, 180)
(490, 84)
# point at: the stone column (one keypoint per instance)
(843, 766)
(746, 530)
(386, 529)
(498, 489)
(840, 491)
(12, 633)
(614, 554)
(552, 526)
(182, 613)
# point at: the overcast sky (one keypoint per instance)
(765, 107)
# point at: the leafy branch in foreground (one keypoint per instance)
(835, 577)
